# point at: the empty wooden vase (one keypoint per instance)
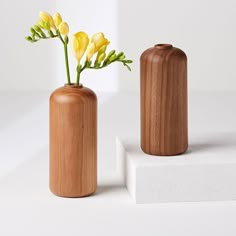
(163, 75)
(73, 141)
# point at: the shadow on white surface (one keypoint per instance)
(108, 189)
(212, 142)
(223, 143)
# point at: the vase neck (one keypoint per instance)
(163, 46)
(73, 85)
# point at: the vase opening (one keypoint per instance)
(74, 85)
(163, 46)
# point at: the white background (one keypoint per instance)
(205, 30)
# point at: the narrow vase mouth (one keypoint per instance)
(163, 46)
(73, 85)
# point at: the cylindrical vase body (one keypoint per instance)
(73, 141)
(163, 87)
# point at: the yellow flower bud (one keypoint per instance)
(57, 19)
(44, 25)
(79, 44)
(47, 18)
(90, 51)
(102, 49)
(64, 28)
(101, 57)
(99, 40)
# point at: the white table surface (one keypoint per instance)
(28, 208)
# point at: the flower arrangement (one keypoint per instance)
(49, 27)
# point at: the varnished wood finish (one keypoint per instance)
(73, 141)
(164, 128)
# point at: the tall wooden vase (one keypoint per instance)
(73, 141)
(164, 128)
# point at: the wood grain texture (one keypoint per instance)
(163, 86)
(73, 141)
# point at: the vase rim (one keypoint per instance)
(73, 85)
(163, 46)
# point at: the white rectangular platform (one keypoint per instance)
(203, 173)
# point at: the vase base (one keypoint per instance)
(177, 153)
(73, 195)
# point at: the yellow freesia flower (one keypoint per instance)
(64, 28)
(47, 18)
(99, 40)
(57, 19)
(90, 51)
(79, 44)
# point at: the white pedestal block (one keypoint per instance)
(204, 173)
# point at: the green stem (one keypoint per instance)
(78, 74)
(65, 42)
(94, 67)
(67, 63)
(36, 40)
(80, 68)
(59, 35)
(100, 67)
